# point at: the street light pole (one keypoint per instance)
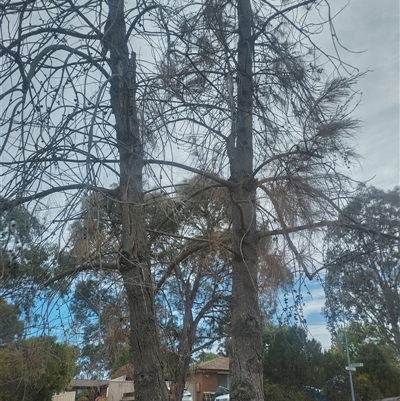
(350, 368)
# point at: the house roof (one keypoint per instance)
(84, 383)
(221, 363)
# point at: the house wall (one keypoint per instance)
(67, 396)
(117, 388)
(205, 382)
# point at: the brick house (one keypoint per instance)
(207, 376)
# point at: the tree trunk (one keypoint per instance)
(246, 353)
(135, 256)
(186, 342)
(181, 367)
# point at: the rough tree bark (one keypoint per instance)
(135, 255)
(184, 353)
(246, 345)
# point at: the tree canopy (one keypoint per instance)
(24, 259)
(375, 379)
(291, 359)
(10, 324)
(363, 276)
(295, 367)
(35, 369)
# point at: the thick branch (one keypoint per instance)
(329, 223)
(136, 20)
(208, 306)
(86, 266)
(195, 239)
(182, 256)
(53, 48)
(67, 32)
(202, 173)
(6, 204)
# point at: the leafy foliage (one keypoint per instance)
(24, 258)
(279, 392)
(296, 368)
(10, 326)
(377, 378)
(363, 277)
(34, 369)
(292, 360)
(100, 311)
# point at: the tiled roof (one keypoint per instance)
(84, 383)
(221, 363)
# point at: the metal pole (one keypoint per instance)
(349, 364)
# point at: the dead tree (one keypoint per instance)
(273, 127)
(62, 135)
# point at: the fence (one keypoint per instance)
(67, 396)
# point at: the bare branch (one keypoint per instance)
(87, 266)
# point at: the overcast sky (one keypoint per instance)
(370, 27)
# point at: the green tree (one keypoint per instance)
(24, 258)
(34, 369)
(100, 309)
(204, 356)
(377, 378)
(10, 325)
(291, 359)
(381, 368)
(279, 392)
(363, 276)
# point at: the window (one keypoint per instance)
(223, 380)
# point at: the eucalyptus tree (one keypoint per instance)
(35, 369)
(291, 359)
(189, 244)
(363, 275)
(377, 376)
(194, 290)
(10, 325)
(100, 315)
(24, 260)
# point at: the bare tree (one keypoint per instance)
(63, 135)
(246, 91)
